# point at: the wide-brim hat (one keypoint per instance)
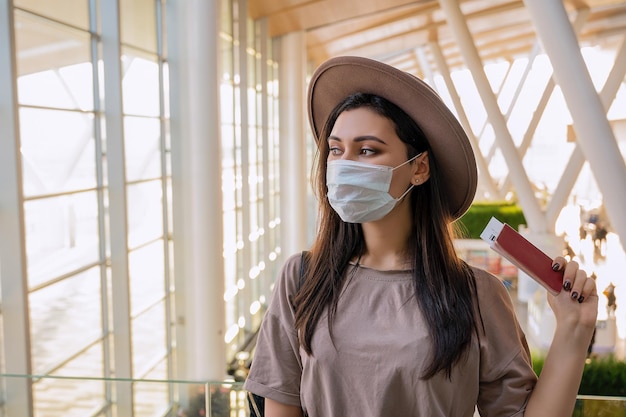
(340, 77)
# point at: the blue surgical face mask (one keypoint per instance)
(359, 192)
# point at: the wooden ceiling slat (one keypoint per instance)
(325, 13)
(374, 28)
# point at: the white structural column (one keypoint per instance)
(534, 217)
(577, 159)
(483, 169)
(293, 171)
(593, 131)
(17, 398)
(197, 187)
(579, 21)
(422, 59)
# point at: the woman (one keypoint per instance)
(388, 321)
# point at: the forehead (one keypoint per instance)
(363, 121)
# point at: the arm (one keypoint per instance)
(276, 409)
(555, 393)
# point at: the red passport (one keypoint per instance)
(518, 250)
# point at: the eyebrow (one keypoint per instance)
(359, 139)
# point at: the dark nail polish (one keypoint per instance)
(567, 285)
(581, 298)
(556, 267)
(574, 295)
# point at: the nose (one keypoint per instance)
(349, 152)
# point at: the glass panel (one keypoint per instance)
(72, 12)
(58, 151)
(152, 397)
(66, 87)
(43, 45)
(146, 276)
(138, 24)
(170, 209)
(225, 398)
(149, 344)
(65, 318)
(84, 395)
(140, 87)
(145, 213)
(166, 93)
(226, 16)
(590, 406)
(61, 235)
(142, 148)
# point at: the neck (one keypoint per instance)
(386, 240)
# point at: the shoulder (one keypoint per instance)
(290, 273)
(287, 282)
(490, 289)
(500, 326)
(496, 307)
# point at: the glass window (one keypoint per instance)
(142, 147)
(65, 319)
(138, 24)
(58, 151)
(71, 12)
(65, 165)
(61, 235)
(51, 60)
(145, 212)
(140, 84)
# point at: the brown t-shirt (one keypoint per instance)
(380, 347)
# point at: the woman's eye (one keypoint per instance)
(367, 152)
(335, 151)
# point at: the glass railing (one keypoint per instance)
(72, 396)
(597, 406)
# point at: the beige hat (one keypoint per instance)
(340, 77)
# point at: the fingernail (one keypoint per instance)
(567, 285)
(574, 295)
(556, 267)
(581, 298)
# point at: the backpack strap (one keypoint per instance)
(304, 258)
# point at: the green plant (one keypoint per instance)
(604, 376)
(472, 223)
(538, 361)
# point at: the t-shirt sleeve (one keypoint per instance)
(506, 374)
(276, 366)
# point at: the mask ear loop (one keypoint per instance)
(412, 185)
(410, 160)
(405, 193)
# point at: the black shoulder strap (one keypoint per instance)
(303, 261)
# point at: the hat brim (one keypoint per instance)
(343, 76)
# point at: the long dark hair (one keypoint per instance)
(444, 284)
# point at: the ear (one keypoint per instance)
(421, 169)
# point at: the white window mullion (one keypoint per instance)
(160, 17)
(102, 233)
(13, 281)
(265, 127)
(118, 221)
(246, 257)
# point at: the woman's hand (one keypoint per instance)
(576, 306)
(575, 309)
